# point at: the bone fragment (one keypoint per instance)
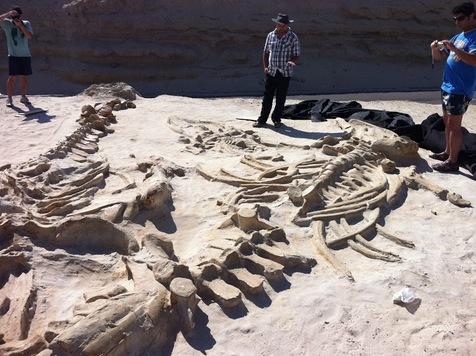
(184, 300)
(458, 200)
(363, 247)
(247, 220)
(394, 238)
(324, 251)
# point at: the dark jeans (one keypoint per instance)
(279, 85)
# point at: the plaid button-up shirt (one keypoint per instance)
(281, 50)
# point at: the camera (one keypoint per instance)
(441, 46)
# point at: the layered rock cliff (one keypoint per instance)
(210, 47)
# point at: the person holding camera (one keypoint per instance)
(17, 32)
(459, 82)
(280, 55)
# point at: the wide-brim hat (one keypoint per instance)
(282, 18)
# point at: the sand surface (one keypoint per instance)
(316, 312)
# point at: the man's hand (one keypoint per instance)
(291, 64)
(9, 14)
(19, 23)
(266, 70)
(449, 45)
(460, 54)
(436, 53)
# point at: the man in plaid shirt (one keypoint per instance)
(280, 55)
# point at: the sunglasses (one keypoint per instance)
(459, 18)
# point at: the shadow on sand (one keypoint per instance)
(200, 338)
(293, 132)
(34, 113)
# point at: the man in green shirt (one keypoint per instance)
(17, 32)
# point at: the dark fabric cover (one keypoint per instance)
(321, 110)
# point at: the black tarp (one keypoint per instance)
(321, 110)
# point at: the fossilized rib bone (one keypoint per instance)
(324, 251)
(268, 184)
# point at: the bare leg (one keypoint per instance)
(455, 136)
(24, 85)
(11, 87)
(447, 131)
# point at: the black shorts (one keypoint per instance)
(19, 66)
(454, 104)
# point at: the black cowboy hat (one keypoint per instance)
(283, 18)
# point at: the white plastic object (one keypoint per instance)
(406, 295)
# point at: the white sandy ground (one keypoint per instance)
(319, 314)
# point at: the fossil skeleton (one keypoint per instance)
(70, 209)
(341, 197)
(70, 203)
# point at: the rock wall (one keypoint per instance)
(211, 47)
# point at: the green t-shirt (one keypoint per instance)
(16, 41)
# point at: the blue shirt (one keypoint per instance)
(17, 42)
(459, 77)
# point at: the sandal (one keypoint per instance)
(446, 166)
(442, 156)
